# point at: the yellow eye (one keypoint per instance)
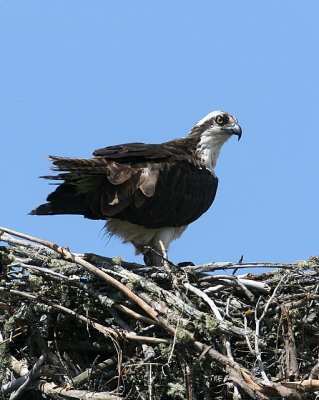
(220, 120)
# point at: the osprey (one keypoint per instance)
(147, 193)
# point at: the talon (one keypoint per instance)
(185, 264)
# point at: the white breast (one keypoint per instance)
(209, 147)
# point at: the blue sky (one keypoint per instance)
(80, 75)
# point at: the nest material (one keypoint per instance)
(90, 327)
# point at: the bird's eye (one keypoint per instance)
(220, 120)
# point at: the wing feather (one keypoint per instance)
(150, 185)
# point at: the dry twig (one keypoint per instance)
(106, 329)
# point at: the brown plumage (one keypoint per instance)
(145, 192)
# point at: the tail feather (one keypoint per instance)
(43, 209)
(97, 188)
(64, 200)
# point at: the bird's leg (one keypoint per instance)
(148, 259)
(151, 258)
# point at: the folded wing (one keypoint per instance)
(151, 185)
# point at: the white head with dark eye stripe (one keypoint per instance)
(214, 130)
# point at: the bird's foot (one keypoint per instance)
(185, 264)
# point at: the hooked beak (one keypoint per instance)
(236, 130)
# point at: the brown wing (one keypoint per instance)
(133, 153)
(150, 185)
(182, 194)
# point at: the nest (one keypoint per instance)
(90, 327)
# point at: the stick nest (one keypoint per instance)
(90, 327)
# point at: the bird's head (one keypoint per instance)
(219, 124)
(212, 132)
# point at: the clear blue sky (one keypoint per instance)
(79, 75)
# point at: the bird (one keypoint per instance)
(147, 194)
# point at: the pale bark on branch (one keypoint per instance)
(84, 326)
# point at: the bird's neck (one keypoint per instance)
(203, 145)
(208, 148)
